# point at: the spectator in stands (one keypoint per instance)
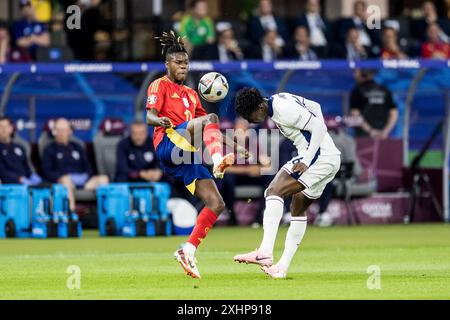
(197, 27)
(430, 16)
(66, 162)
(374, 105)
(136, 157)
(391, 48)
(14, 167)
(226, 49)
(28, 33)
(353, 49)
(369, 38)
(82, 41)
(300, 48)
(264, 21)
(270, 49)
(318, 28)
(8, 53)
(435, 48)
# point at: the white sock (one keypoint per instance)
(189, 248)
(271, 222)
(216, 158)
(294, 237)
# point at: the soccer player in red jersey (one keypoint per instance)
(181, 125)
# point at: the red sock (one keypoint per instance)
(213, 138)
(205, 222)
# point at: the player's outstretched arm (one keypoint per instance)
(318, 131)
(154, 120)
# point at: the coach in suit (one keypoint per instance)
(224, 50)
(300, 48)
(430, 16)
(369, 38)
(352, 49)
(265, 21)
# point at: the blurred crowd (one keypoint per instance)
(312, 36)
(30, 37)
(264, 35)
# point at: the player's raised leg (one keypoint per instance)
(294, 236)
(207, 191)
(206, 129)
(282, 186)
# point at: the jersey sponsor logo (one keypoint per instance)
(75, 155)
(37, 29)
(148, 156)
(152, 99)
(175, 96)
(59, 155)
(18, 151)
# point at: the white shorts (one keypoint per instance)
(317, 176)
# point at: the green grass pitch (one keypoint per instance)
(414, 262)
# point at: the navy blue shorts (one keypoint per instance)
(174, 147)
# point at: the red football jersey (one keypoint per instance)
(174, 101)
(429, 49)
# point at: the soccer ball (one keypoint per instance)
(213, 87)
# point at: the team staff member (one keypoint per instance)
(66, 162)
(374, 105)
(14, 167)
(136, 158)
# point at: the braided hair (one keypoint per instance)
(171, 43)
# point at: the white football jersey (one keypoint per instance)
(292, 114)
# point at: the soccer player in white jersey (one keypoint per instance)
(304, 177)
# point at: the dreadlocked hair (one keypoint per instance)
(171, 43)
(247, 102)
